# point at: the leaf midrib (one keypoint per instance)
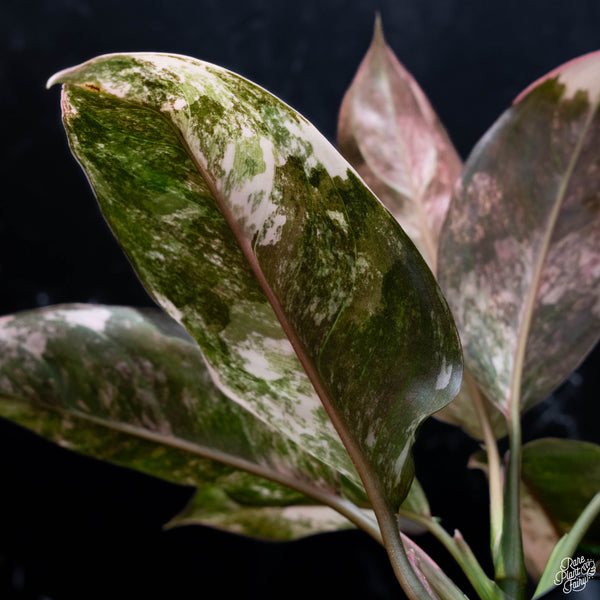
(388, 528)
(248, 252)
(363, 466)
(415, 199)
(514, 399)
(342, 505)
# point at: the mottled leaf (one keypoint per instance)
(266, 506)
(389, 132)
(131, 387)
(226, 497)
(560, 478)
(255, 234)
(519, 257)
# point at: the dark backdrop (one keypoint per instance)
(74, 528)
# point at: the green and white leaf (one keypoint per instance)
(131, 387)
(226, 497)
(519, 254)
(254, 233)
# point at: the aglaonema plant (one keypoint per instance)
(304, 337)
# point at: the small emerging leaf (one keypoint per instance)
(519, 257)
(390, 133)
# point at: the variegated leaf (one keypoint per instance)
(559, 479)
(226, 497)
(131, 387)
(254, 233)
(268, 510)
(519, 257)
(389, 132)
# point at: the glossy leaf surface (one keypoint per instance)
(254, 233)
(389, 132)
(131, 387)
(519, 254)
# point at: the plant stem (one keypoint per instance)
(408, 579)
(444, 587)
(510, 565)
(457, 546)
(494, 467)
(357, 516)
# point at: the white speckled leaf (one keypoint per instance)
(519, 257)
(256, 235)
(389, 132)
(131, 387)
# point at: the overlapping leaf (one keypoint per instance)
(559, 479)
(250, 229)
(390, 133)
(131, 387)
(519, 255)
(437, 585)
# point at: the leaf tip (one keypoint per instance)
(378, 35)
(51, 81)
(58, 77)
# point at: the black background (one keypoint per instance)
(71, 527)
